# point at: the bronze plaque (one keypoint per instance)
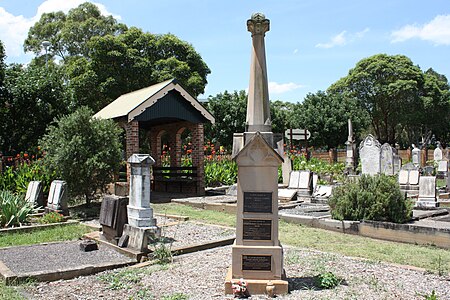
(258, 202)
(257, 262)
(257, 230)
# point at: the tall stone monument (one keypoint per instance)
(257, 255)
(350, 159)
(141, 223)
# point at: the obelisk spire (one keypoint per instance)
(258, 108)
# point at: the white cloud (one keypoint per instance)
(436, 31)
(343, 39)
(279, 88)
(14, 29)
(295, 51)
(337, 40)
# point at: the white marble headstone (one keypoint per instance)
(293, 180)
(437, 154)
(57, 196)
(427, 187)
(416, 159)
(304, 181)
(414, 177)
(370, 152)
(34, 193)
(443, 166)
(403, 177)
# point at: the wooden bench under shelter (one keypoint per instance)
(180, 176)
(166, 115)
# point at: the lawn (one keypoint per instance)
(427, 257)
(54, 234)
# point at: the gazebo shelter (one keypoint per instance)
(166, 112)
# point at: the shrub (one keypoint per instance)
(84, 151)
(14, 209)
(376, 198)
(326, 280)
(220, 171)
(51, 217)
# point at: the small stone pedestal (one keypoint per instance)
(141, 223)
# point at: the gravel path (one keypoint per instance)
(201, 276)
(191, 233)
(56, 256)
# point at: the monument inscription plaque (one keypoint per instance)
(257, 262)
(257, 229)
(258, 202)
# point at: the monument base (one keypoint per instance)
(138, 236)
(259, 286)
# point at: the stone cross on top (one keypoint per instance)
(258, 108)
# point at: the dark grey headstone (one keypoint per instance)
(123, 241)
(88, 245)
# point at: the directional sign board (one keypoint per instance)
(298, 134)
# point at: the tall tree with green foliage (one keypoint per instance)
(326, 116)
(33, 96)
(103, 59)
(229, 110)
(396, 94)
(69, 34)
(85, 152)
(282, 115)
(133, 60)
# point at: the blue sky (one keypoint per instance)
(311, 43)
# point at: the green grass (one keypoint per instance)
(427, 257)
(54, 234)
(206, 216)
(9, 293)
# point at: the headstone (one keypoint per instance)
(35, 193)
(88, 246)
(409, 166)
(416, 156)
(286, 195)
(57, 197)
(141, 223)
(113, 217)
(286, 169)
(403, 177)
(232, 190)
(397, 163)
(322, 194)
(305, 183)
(140, 214)
(294, 179)
(437, 154)
(428, 171)
(414, 177)
(257, 255)
(442, 169)
(369, 153)
(387, 159)
(427, 192)
(315, 179)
